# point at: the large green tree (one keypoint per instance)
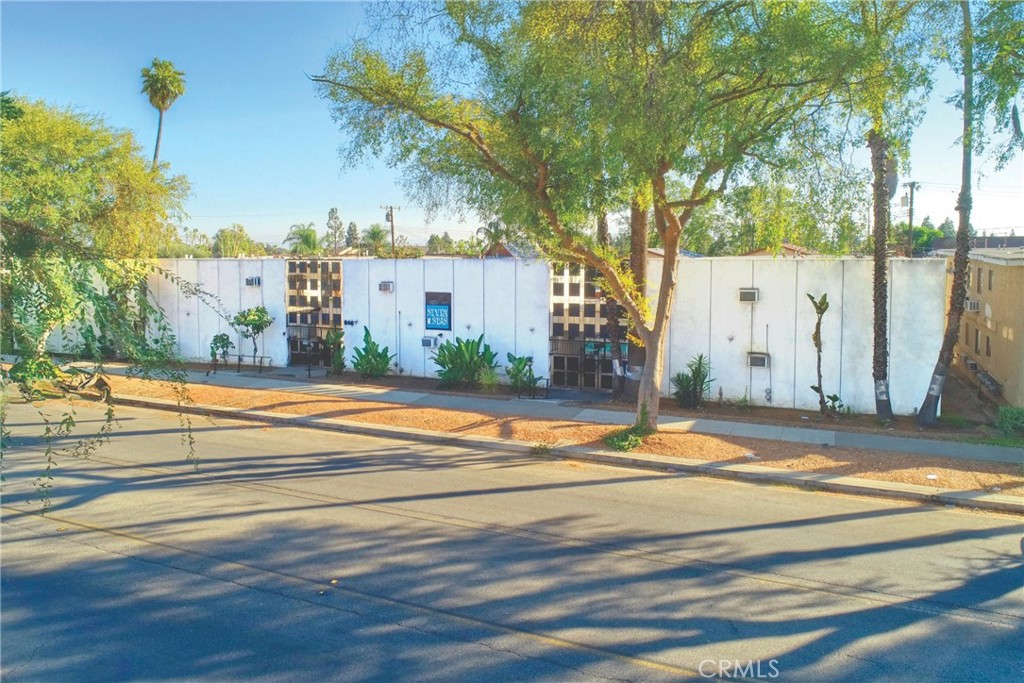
(80, 210)
(234, 241)
(569, 106)
(162, 84)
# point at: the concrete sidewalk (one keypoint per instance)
(584, 407)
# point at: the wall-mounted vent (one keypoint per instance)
(758, 360)
(429, 342)
(749, 295)
(256, 281)
(972, 306)
(386, 286)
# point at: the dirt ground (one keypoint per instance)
(938, 472)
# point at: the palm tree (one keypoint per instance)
(492, 234)
(163, 84)
(303, 240)
(375, 238)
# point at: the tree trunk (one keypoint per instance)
(159, 134)
(638, 267)
(611, 319)
(880, 295)
(928, 412)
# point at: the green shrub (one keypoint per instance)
(251, 323)
(467, 362)
(1011, 420)
(372, 360)
(520, 373)
(691, 388)
(335, 343)
(631, 437)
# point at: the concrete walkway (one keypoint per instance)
(584, 407)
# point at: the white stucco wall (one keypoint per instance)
(708, 318)
(506, 300)
(194, 323)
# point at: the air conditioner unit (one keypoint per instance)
(758, 360)
(254, 281)
(749, 294)
(972, 306)
(386, 286)
(429, 342)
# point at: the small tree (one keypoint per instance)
(251, 323)
(830, 405)
(219, 347)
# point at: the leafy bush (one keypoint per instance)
(1011, 420)
(467, 362)
(219, 347)
(520, 373)
(631, 437)
(372, 360)
(251, 323)
(693, 387)
(335, 342)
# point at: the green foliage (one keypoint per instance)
(335, 342)
(375, 239)
(465, 362)
(234, 241)
(691, 388)
(632, 437)
(303, 240)
(520, 373)
(163, 84)
(79, 211)
(251, 323)
(372, 361)
(1011, 420)
(219, 347)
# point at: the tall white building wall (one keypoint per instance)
(505, 300)
(195, 323)
(708, 318)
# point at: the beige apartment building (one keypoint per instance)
(990, 349)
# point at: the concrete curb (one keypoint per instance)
(646, 461)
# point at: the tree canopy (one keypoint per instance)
(550, 113)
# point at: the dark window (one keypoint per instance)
(979, 280)
(589, 310)
(574, 269)
(558, 310)
(590, 290)
(293, 282)
(604, 331)
(574, 310)
(589, 331)
(967, 334)
(988, 346)
(559, 362)
(977, 340)
(335, 267)
(302, 266)
(558, 288)
(557, 329)
(304, 319)
(293, 318)
(337, 302)
(314, 301)
(336, 319)
(292, 300)
(574, 332)
(324, 267)
(314, 284)
(574, 289)
(303, 301)
(991, 274)
(291, 266)
(325, 318)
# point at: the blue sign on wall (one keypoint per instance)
(439, 310)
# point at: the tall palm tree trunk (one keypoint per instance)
(159, 134)
(880, 296)
(928, 412)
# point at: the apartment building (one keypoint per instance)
(991, 345)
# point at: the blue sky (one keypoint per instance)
(258, 146)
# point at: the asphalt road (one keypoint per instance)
(296, 554)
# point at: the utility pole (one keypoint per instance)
(910, 220)
(389, 216)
